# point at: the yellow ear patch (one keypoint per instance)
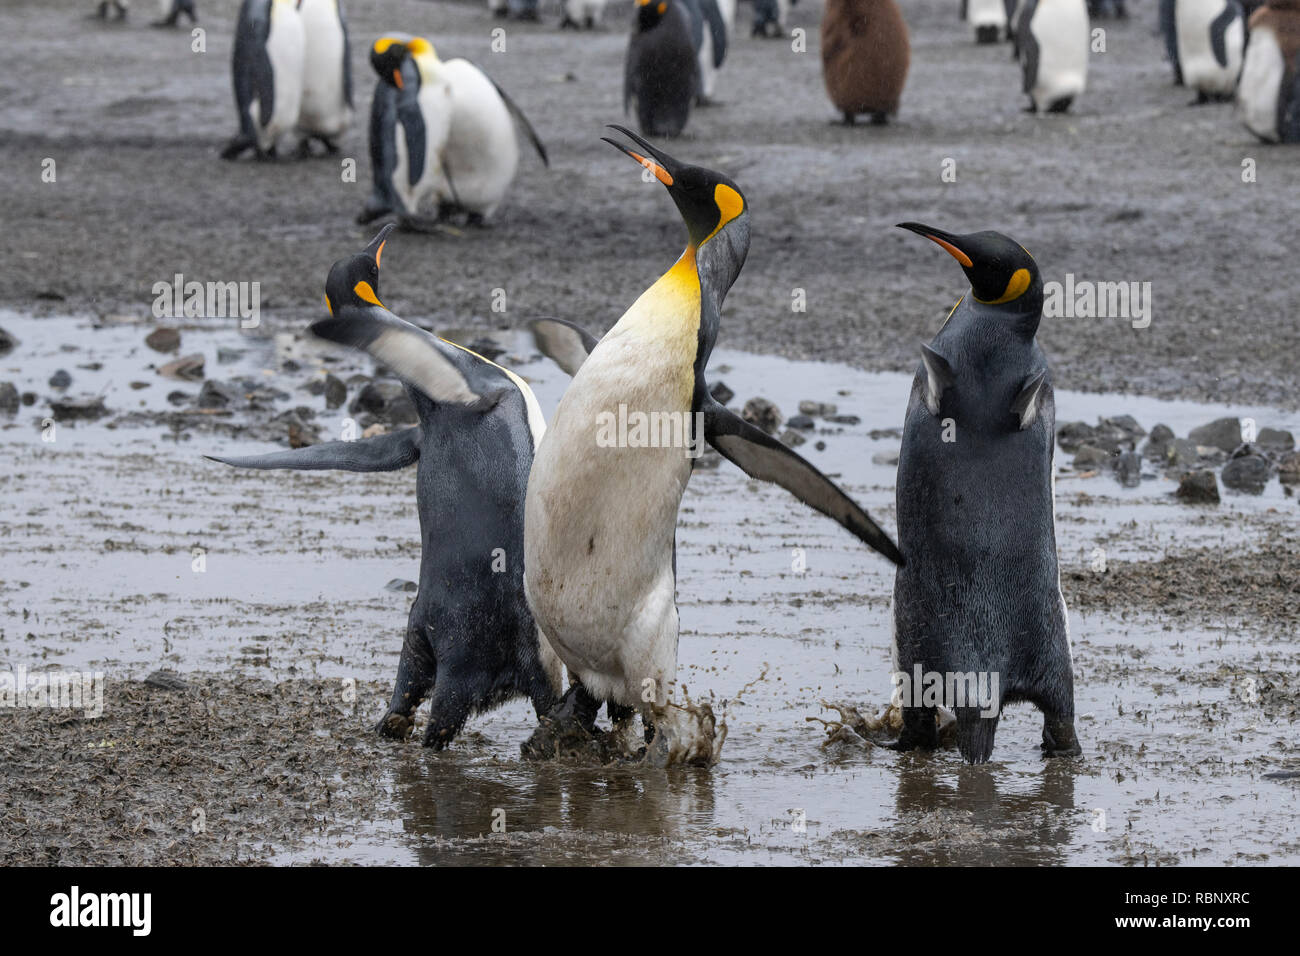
(383, 43)
(329, 305)
(1016, 287)
(366, 294)
(730, 205)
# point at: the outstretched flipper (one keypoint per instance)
(378, 453)
(565, 343)
(761, 456)
(518, 114)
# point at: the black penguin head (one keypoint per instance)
(1001, 272)
(650, 12)
(386, 56)
(354, 282)
(709, 202)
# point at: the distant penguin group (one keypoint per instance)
(292, 72)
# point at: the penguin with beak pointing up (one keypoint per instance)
(979, 601)
(600, 517)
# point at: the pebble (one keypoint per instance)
(762, 414)
(1128, 469)
(802, 422)
(721, 393)
(163, 339)
(188, 368)
(1288, 469)
(792, 438)
(60, 379)
(1198, 487)
(8, 397)
(1249, 473)
(1222, 433)
(397, 584)
(817, 409)
(7, 342)
(78, 409)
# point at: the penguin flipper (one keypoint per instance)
(347, 61)
(256, 72)
(425, 361)
(388, 452)
(565, 343)
(518, 114)
(713, 17)
(1218, 31)
(761, 456)
(1028, 46)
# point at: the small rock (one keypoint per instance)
(762, 414)
(136, 386)
(7, 342)
(397, 584)
(1288, 469)
(1275, 441)
(179, 398)
(1126, 424)
(885, 458)
(299, 436)
(60, 379)
(792, 438)
(215, 395)
(1128, 469)
(1089, 457)
(188, 368)
(336, 393)
(817, 409)
(166, 680)
(92, 366)
(163, 339)
(844, 419)
(227, 356)
(78, 409)
(820, 446)
(8, 398)
(387, 402)
(1198, 487)
(488, 348)
(290, 365)
(1157, 442)
(802, 422)
(1248, 473)
(1073, 435)
(29, 398)
(1222, 433)
(721, 394)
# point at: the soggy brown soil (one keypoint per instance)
(287, 641)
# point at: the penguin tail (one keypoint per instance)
(975, 734)
(387, 452)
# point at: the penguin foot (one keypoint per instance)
(1061, 105)
(879, 119)
(569, 729)
(1059, 740)
(425, 225)
(527, 16)
(236, 148)
(568, 23)
(395, 726)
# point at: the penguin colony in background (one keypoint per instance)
(977, 583)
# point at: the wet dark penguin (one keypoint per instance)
(865, 56)
(980, 593)
(471, 642)
(662, 71)
(601, 515)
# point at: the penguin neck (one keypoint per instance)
(668, 311)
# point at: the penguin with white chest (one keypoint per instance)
(1268, 95)
(988, 17)
(709, 35)
(441, 130)
(326, 109)
(267, 67)
(170, 12)
(979, 602)
(1052, 40)
(471, 642)
(1211, 38)
(601, 515)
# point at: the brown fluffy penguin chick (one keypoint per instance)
(865, 55)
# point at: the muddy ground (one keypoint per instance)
(286, 642)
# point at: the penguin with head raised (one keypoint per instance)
(865, 56)
(601, 516)
(267, 68)
(661, 71)
(979, 602)
(1268, 95)
(1211, 38)
(326, 108)
(170, 12)
(1052, 40)
(457, 141)
(471, 642)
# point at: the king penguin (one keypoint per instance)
(266, 66)
(865, 56)
(661, 71)
(1211, 37)
(1268, 95)
(988, 17)
(1167, 14)
(979, 599)
(600, 520)
(1052, 39)
(709, 35)
(471, 642)
(169, 12)
(326, 110)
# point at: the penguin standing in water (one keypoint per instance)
(326, 110)
(979, 599)
(600, 521)
(1052, 38)
(441, 129)
(171, 10)
(471, 643)
(1211, 37)
(865, 56)
(267, 67)
(1268, 95)
(661, 71)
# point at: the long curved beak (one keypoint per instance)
(949, 242)
(376, 247)
(658, 162)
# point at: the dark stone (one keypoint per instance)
(78, 409)
(289, 365)
(7, 342)
(885, 458)
(1222, 433)
(163, 339)
(60, 379)
(1199, 488)
(761, 413)
(1126, 424)
(1288, 469)
(1275, 441)
(1157, 443)
(226, 356)
(721, 394)
(387, 402)
(802, 422)
(1074, 435)
(1248, 473)
(487, 348)
(166, 680)
(336, 393)
(817, 409)
(397, 584)
(792, 438)
(1089, 457)
(215, 395)
(179, 398)
(29, 398)
(1128, 469)
(8, 398)
(844, 419)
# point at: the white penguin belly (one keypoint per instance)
(986, 13)
(579, 11)
(708, 73)
(324, 108)
(285, 47)
(1060, 28)
(1261, 84)
(1201, 71)
(481, 153)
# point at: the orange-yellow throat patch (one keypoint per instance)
(666, 319)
